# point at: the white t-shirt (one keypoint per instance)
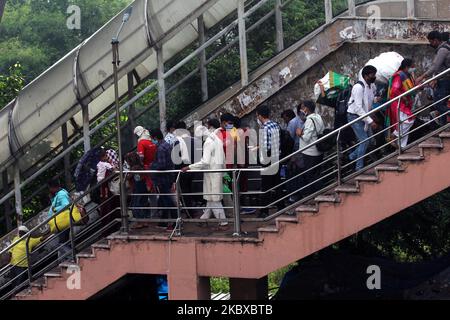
(101, 170)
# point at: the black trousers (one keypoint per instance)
(267, 183)
(312, 175)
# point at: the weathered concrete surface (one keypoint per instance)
(431, 9)
(189, 260)
(293, 63)
(349, 59)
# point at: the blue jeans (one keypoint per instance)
(442, 90)
(361, 135)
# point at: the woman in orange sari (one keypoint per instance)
(401, 82)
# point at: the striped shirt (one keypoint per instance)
(271, 139)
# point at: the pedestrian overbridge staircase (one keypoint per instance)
(264, 246)
(190, 260)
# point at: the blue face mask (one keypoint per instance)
(229, 126)
(155, 141)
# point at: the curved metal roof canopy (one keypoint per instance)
(84, 76)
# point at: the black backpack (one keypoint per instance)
(286, 143)
(327, 144)
(343, 100)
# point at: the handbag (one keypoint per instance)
(61, 221)
(114, 185)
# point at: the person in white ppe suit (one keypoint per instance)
(213, 159)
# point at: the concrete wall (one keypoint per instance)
(398, 9)
(347, 60)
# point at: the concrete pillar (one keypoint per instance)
(410, 9)
(86, 136)
(279, 26)
(65, 139)
(202, 56)
(242, 43)
(249, 289)
(351, 8)
(18, 195)
(328, 11)
(130, 143)
(161, 90)
(183, 280)
(7, 204)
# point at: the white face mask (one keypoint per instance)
(259, 122)
(412, 70)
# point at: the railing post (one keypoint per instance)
(410, 9)
(18, 194)
(202, 56)
(339, 166)
(328, 11)
(178, 224)
(27, 250)
(236, 205)
(123, 197)
(242, 43)
(399, 124)
(86, 137)
(7, 204)
(65, 140)
(351, 8)
(279, 26)
(72, 234)
(161, 89)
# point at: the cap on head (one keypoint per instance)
(23, 229)
(139, 131)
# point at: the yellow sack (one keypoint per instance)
(61, 222)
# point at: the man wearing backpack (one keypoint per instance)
(441, 63)
(312, 157)
(360, 103)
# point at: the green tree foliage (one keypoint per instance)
(34, 32)
(10, 84)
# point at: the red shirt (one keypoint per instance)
(148, 150)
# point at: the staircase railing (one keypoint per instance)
(253, 6)
(335, 174)
(98, 228)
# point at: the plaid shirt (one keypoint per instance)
(112, 157)
(163, 161)
(171, 139)
(271, 139)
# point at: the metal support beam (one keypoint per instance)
(328, 11)
(86, 136)
(279, 26)
(351, 8)
(7, 204)
(18, 194)
(242, 42)
(410, 9)
(202, 56)
(161, 90)
(65, 141)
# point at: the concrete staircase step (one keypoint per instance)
(433, 143)
(288, 219)
(388, 167)
(103, 245)
(307, 208)
(327, 198)
(269, 229)
(347, 188)
(55, 273)
(444, 135)
(410, 157)
(367, 178)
